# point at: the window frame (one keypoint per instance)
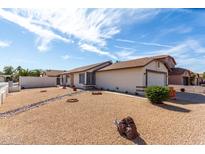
(82, 78)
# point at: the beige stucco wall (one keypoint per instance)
(126, 79)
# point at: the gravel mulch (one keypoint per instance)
(30, 96)
(90, 121)
(34, 105)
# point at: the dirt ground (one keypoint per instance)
(90, 120)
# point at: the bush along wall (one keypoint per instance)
(157, 94)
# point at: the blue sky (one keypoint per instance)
(68, 38)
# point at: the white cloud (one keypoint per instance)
(126, 55)
(155, 44)
(124, 48)
(65, 57)
(92, 26)
(43, 44)
(180, 29)
(124, 40)
(188, 54)
(184, 48)
(145, 43)
(26, 22)
(94, 49)
(4, 44)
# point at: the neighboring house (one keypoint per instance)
(61, 80)
(195, 79)
(84, 77)
(52, 73)
(179, 76)
(5, 78)
(126, 76)
(201, 79)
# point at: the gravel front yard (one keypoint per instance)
(90, 120)
(29, 96)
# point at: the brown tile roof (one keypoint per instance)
(86, 68)
(133, 63)
(178, 71)
(165, 56)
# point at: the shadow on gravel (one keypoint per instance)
(172, 107)
(139, 141)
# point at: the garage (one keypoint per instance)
(155, 78)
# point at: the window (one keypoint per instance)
(82, 78)
(90, 78)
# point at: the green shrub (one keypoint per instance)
(157, 94)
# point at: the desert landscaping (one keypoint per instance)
(89, 120)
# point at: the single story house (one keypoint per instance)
(126, 76)
(179, 76)
(134, 75)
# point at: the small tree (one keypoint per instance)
(8, 70)
(24, 72)
(35, 72)
(157, 94)
(204, 75)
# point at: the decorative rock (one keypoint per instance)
(122, 127)
(127, 128)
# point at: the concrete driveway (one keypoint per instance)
(190, 98)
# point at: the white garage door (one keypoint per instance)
(156, 79)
